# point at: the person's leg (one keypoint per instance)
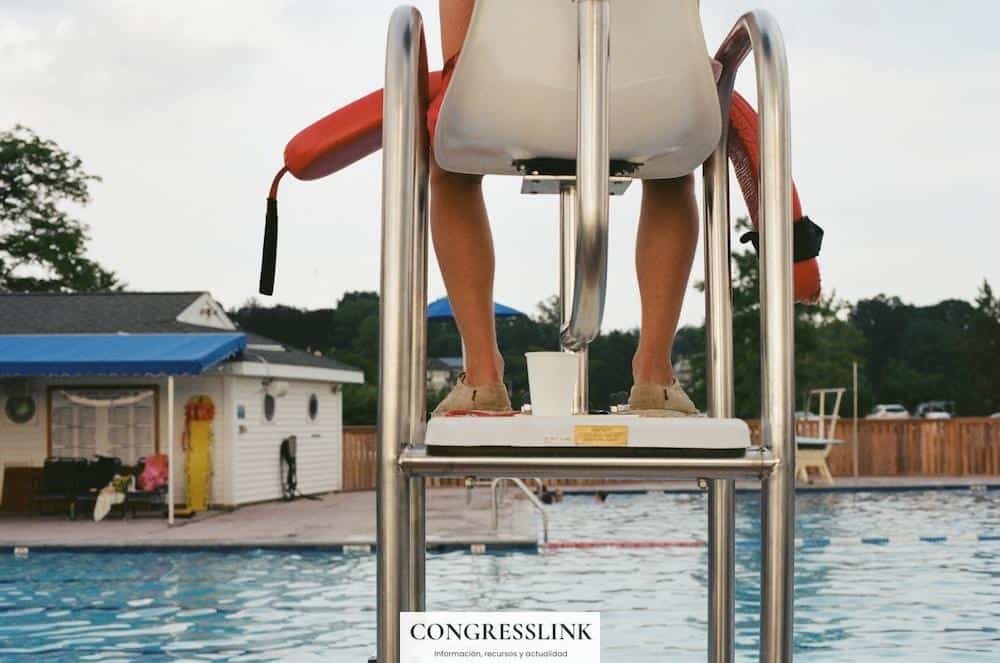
(464, 246)
(461, 233)
(665, 244)
(455, 17)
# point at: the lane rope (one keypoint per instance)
(802, 542)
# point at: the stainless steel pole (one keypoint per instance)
(856, 453)
(418, 367)
(757, 31)
(719, 356)
(417, 545)
(592, 171)
(778, 339)
(567, 271)
(402, 127)
(170, 449)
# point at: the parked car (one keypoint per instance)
(888, 411)
(935, 410)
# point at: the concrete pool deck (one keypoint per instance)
(336, 521)
(346, 521)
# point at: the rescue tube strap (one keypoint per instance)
(807, 239)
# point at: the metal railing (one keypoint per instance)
(495, 487)
(592, 171)
(757, 32)
(400, 502)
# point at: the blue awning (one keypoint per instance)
(115, 354)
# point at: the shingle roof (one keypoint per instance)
(132, 313)
(289, 356)
(95, 313)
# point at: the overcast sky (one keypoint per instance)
(184, 108)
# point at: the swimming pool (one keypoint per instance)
(925, 600)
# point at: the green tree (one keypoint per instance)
(42, 247)
(825, 343)
(982, 361)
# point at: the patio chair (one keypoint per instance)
(59, 483)
(98, 474)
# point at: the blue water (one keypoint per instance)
(922, 602)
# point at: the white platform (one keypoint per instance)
(690, 433)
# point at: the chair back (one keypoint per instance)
(513, 95)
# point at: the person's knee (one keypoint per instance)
(443, 180)
(680, 189)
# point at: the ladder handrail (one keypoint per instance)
(757, 32)
(399, 554)
(535, 502)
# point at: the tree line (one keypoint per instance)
(906, 354)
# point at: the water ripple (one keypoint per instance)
(923, 601)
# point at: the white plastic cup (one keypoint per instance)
(551, 382)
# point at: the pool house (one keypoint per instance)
(114, 374)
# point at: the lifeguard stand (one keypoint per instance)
(582, 139)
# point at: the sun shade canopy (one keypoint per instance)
(440, 309)
(115, 354)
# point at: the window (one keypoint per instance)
(74, 431)
(130, 432)
(313, 407)
(269, 405)
(110, 422)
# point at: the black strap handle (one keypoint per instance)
(269, 257)
(807, 239)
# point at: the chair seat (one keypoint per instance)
(512, 97)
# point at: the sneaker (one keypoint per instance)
(657, 400)
(483, 398)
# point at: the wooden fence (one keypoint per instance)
(886, 447)
(915, 447)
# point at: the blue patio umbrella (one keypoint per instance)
(440, 309)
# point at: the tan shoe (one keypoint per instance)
(657, 400)
(483, 398)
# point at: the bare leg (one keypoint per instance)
(464, 247)
(460, 229)
(665, 243)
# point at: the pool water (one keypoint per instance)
(905, 599)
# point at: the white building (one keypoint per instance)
(60, 354)
(443, 372)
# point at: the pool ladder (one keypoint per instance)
(497, 490)
(402, 462)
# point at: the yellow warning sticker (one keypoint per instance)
(600, 436)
